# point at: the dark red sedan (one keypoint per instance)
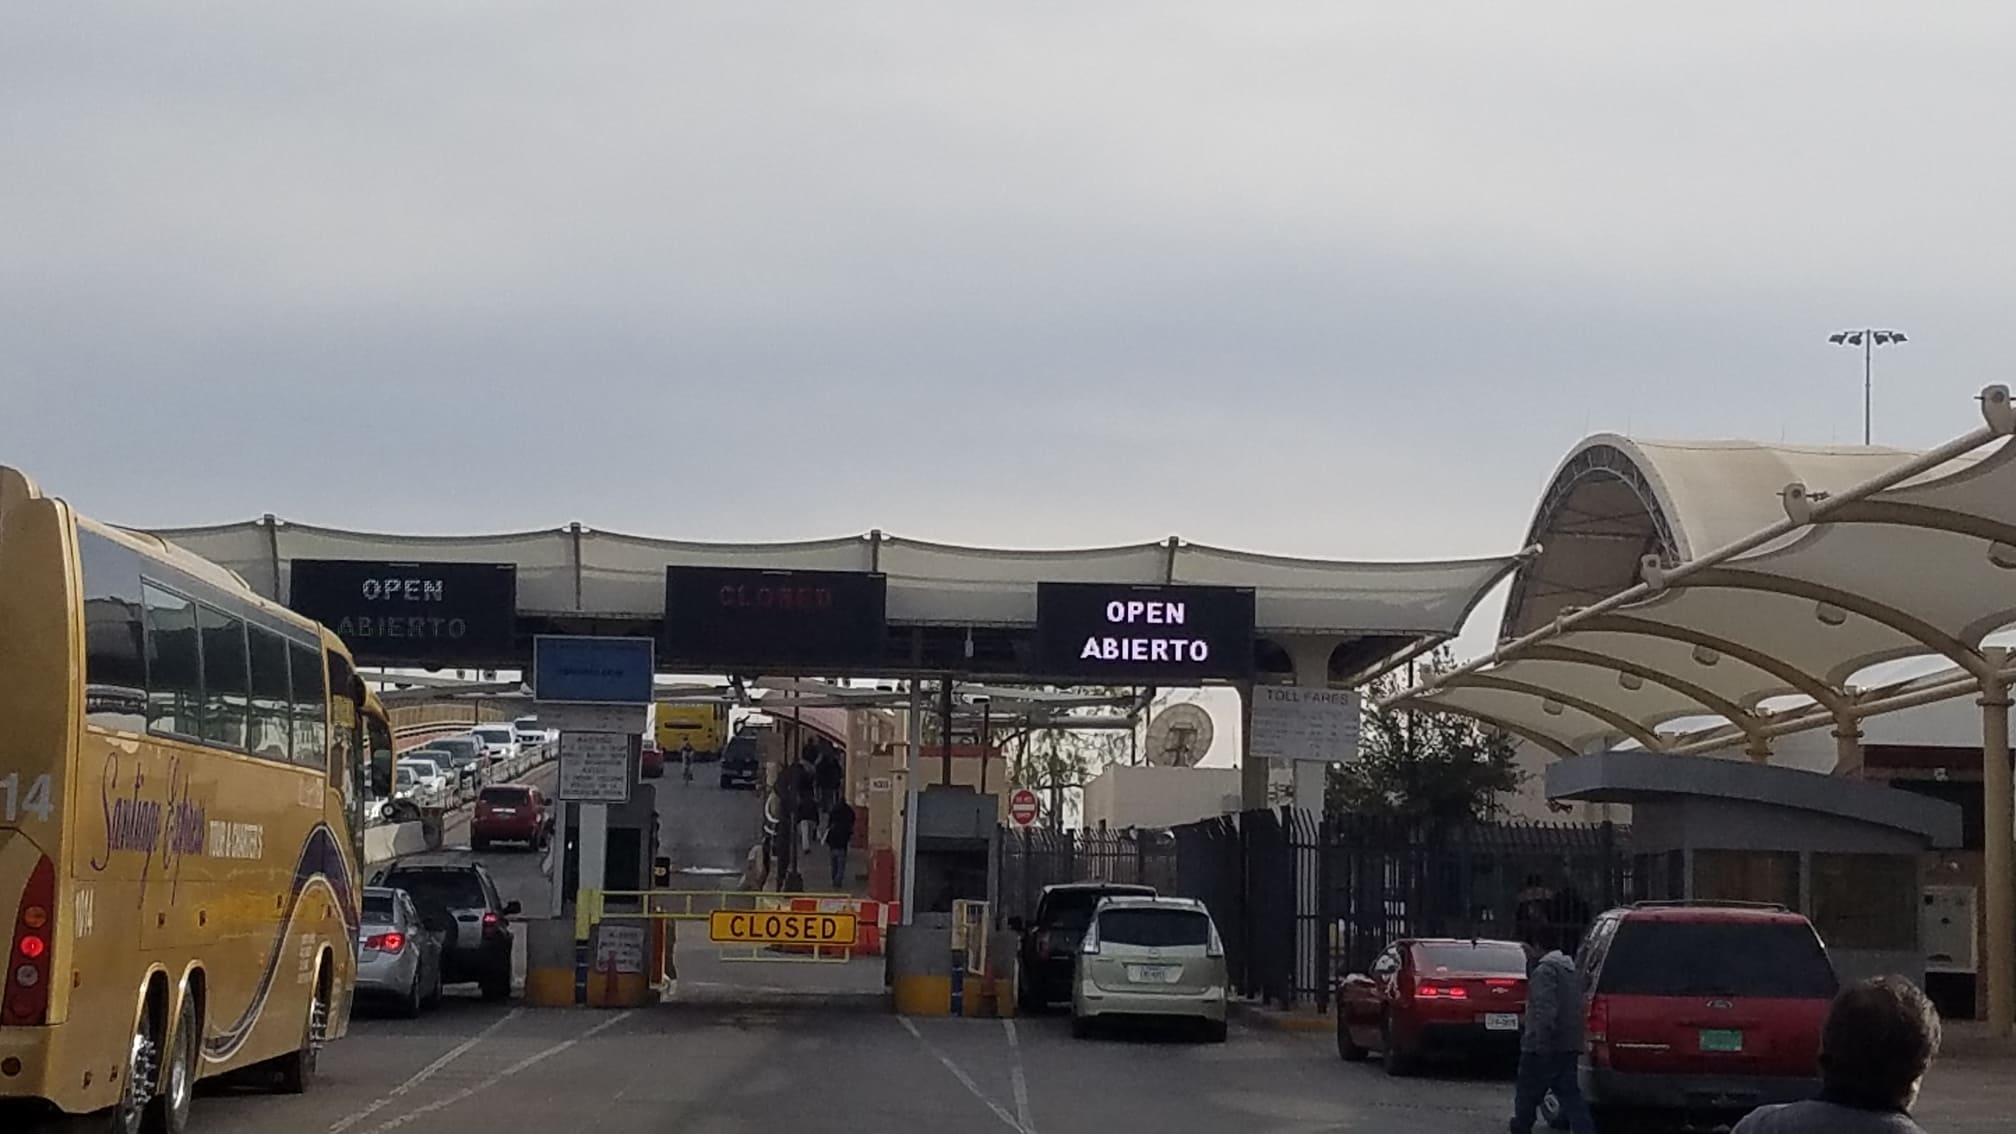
(1432, 997)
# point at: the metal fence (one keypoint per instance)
(1300, 901)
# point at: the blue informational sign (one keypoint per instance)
(592, 671)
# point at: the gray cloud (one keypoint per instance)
(1315, 278)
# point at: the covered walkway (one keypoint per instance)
(1714, 597)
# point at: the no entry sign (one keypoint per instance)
(1022, 807)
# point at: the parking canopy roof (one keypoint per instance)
(576, 579)
(1681, 587)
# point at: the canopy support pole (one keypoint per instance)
(1847, 747)
(1999, 847)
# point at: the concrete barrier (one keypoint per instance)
(388, 841)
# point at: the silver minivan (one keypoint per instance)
(1150, 958)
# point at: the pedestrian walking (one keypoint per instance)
(839, 837)
(686, 760)
(1551, 1040)
(1879, 1040)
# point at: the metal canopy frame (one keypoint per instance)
(1914, 561)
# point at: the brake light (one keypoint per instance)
(489, 918)
(1598, 1028)
(1091, 945)
(25, 1002)
(1502, 982)
(1216, 948)
(386, 942)
(1429, 991)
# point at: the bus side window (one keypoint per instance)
(311, 707)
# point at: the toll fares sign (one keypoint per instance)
(424, 612)
(788, 619)
(1168, 634)
(781, 927)
(1022, 807)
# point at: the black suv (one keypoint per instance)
(462, 899)
(739, 762)
(1049, 949)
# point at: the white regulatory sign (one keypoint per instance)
(619, 948)
(1291, 723)
(595, 767)
(593, 718)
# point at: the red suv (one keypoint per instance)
(1709, 1009)
(509, 813)
(1434, 996)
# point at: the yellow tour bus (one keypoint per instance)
(180, 823)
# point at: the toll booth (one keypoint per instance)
(957, 832)
(948, 959)
(633, 844)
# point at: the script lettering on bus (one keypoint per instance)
(172, 827)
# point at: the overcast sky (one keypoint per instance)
(1321, 278)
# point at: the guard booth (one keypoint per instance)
(1846, 853)
(948, 959)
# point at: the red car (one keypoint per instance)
(1431, 997)
(650, 761)
(510, 813)
(1711, 1010)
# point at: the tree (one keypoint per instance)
(1423, 765)
(1055, 762)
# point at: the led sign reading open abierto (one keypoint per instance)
(1172, 634)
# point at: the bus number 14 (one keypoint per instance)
(36, 802)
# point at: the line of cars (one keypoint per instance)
(448, 764)
(1700, 1011)
(1122, 954)
(431, 924)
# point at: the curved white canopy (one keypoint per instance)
(1843, 566)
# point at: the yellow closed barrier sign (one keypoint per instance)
(781, 927)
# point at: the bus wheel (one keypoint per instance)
(297, 1070)
(169, 1111)
(143, 1074)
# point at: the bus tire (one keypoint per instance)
(142, 1073)
(168, 1112)
(297, 1068)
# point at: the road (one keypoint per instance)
(764, 1048)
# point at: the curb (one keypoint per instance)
(1280, 1020)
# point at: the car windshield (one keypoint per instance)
(504, 796)
(378, 908)
(424, 765)
(452, 889)
(1488, 957)
(1155, 928)
(494, 735)
(1717, 958)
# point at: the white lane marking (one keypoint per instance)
(965, 1080)
(475, 1089)
(422, 1075)
(1019, 1081)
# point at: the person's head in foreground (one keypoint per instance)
(1879, 1040)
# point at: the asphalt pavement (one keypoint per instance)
(764, 1048)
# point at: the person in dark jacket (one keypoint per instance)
(1551, 1040)
(1878, 1042)
(839, 837)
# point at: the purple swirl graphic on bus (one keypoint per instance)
(321, 858)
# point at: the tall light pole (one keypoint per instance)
(1868, 338)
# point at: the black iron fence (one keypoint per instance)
(1301, 901)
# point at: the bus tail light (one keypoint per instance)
(24, 1000)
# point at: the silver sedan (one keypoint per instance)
(398, 957)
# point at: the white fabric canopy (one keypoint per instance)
(1843, 565)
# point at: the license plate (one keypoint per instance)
(1721, 1039)
(503, 811)
(1501, 1022)
(1154, 974)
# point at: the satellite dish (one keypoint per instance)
(1179, 736)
